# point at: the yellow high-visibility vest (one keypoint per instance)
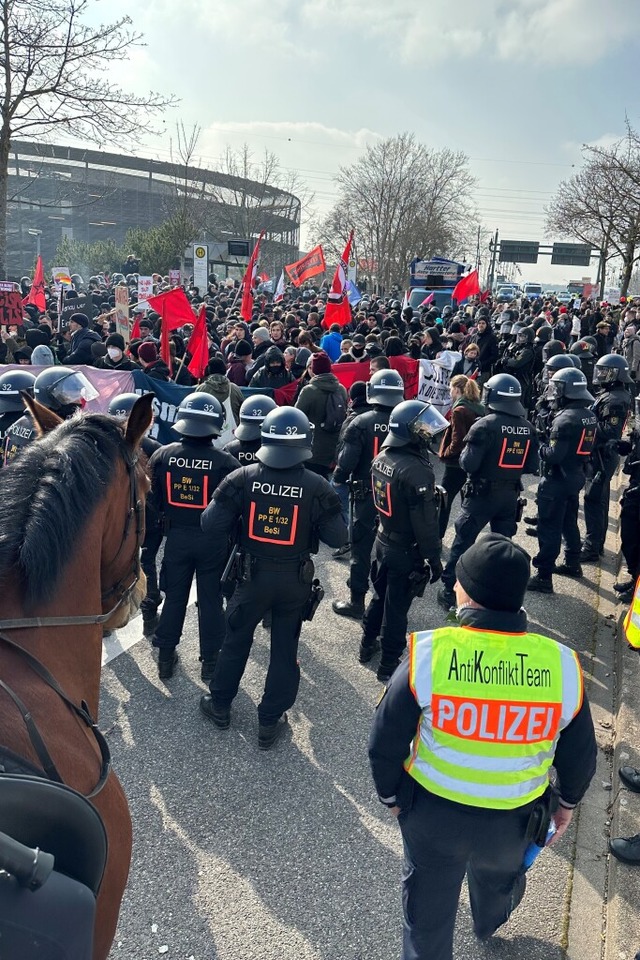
(493, 706)
(632, 619)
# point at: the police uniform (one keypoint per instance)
(7, 420)
(461, 748)
(19, 435)
(12, 408)
(244, 451)
(153, 536)
(498, 449)
(246, 439)
(282, 511)
(564, 459)
(184, 477)
(404, 495)
(362, 442)
(612, 409)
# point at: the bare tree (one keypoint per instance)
(186, 207)
(55, 73)
(600, 205)
(403, 200)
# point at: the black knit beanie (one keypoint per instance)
(495, 572)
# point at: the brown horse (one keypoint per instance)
(71, 524)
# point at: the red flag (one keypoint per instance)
(284, 396)
(263, 277)
(174, 306)
(338, 309)
(249, 282)
(409, 370)
(348, 373)
(135, 330)
(484, 297)
(310, 265)
(467, 287)
(428, 299)
(36, 294)
(198, 347)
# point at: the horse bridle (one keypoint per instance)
(135, 512)
(122, 589)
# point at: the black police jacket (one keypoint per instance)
(362, 441)
(403, 485)
(398, 714)
(283, 513)
(184, 477)
(612, 408)
(500, 447)
(571, 439)
(243, 450)
(19, 435)
(7, 420)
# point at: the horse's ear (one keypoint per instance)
(140, 419)
(44, 419)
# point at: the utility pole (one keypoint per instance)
(493, 246)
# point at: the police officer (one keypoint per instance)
(12, 384)
(521, 363)
(610, 379)
(498, 449)
(564, 459)
(362, 442)
(62, 390)
(184, 477)
(408, 545)
(246, 437)
(471, 786)
(120, 407)
(283, 511)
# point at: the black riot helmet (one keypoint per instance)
(287, 438)
(525, 336)
(559, 361)
(502, 394)
(122, 405)
(569, 384)
(612, 368)
(517, 328)
(554, 348)
(505, 328)
(413, 421)
(544, 334)
(12, 383)
(200, 415)
(575, 360)
(252, 412)
(385, 388)
(58, 387)
(580, 347)
(592, 343)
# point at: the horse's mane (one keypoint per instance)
(48, 494)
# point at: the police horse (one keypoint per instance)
(71, 526)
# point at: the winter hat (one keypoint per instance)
(147, 324)
(115, 340)
(320, 363)
(80, 318)
(98, 350)
(42, 356)
(495, 572)
(242, 348)
(147, 352)
(358, 392)
(261, 334)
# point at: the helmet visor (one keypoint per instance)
(73, 388)
(429, 423)
(602, 374)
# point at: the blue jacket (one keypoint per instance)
(330, 343)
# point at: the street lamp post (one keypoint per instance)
(33, 232)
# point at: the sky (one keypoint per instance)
(518, 85)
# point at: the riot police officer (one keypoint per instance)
(120, 407)
(614, 400)
(246, 437)
(362, 442)
(12, 384)
(498, 449)
(564, 458)
(521, 363)
(184, 477)
(408, 545)
(62, 390)
(282, 511)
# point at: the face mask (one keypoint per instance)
(114, 353)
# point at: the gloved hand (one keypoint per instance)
(624, 446)
(435, 568)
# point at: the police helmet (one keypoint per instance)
(58, 387)
(395, 305)
(569, 384)
(580, 347)
(591, 341)
(554, 348)
(612, 368)
(517, 327)
(12, 383)
(502, 393)
(252, 412)
(525, 336)
(559, 361)
(413, 421)
(200, 415)
(122, 405)
(575, 361)
(506, 328)
(544, 334)
(385, 388)
(287, 438)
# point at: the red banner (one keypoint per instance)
(309, 266)
(348, 373)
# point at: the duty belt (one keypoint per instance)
(404, 539)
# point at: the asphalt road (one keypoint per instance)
(287, 855)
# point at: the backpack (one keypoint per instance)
(335, 412)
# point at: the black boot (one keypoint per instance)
(532, 521)
(220, 716)
(167, 659)
(569, 570)
(386, 670)
(350, 608)
(446, 597)
(368, 650)
(150, 621)
(269, 733)
(540, 584)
